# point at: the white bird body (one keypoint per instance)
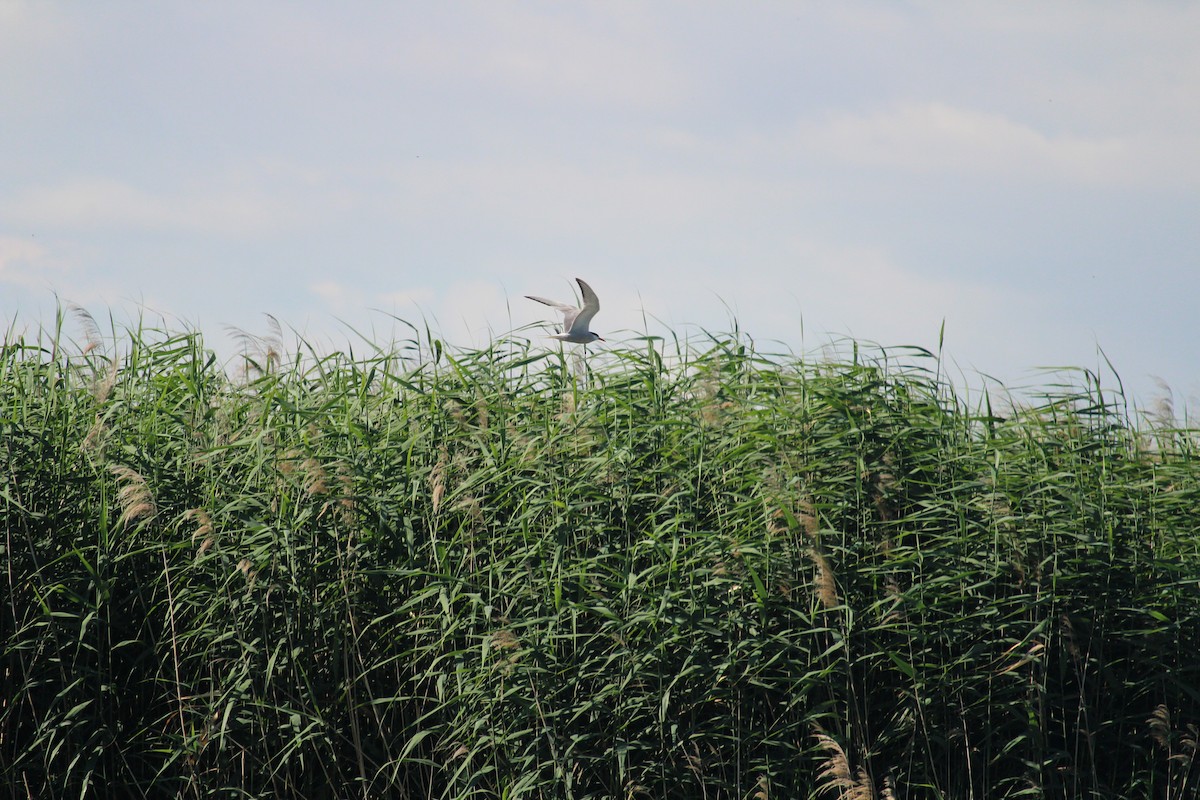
(576, 320)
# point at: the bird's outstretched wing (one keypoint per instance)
(570, 313)
(582, 317)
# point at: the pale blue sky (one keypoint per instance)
(1029, 172)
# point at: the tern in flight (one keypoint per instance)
(576, 320)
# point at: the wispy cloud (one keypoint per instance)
(37, 277)
(24, 263)
(924, 137)
(466, 312)
(574, 57)
(337, 297)
(105, 203)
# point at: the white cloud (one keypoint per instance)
(550, 199)
(28, 28)
(337, 297)
(466, 312)
(572, 56)
(23, 263)
(934, 137)
(100, 203)
(36, 279)
(833, 289)
(418, 298)
(872, 291)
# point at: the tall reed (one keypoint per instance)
(690, 571)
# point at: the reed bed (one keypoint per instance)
(668, 571)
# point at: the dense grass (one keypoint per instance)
(511, 573)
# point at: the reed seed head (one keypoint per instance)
(133, 496)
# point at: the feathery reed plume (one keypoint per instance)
(1031, 654)
(1163, 411)
(700, 763)
(102, 386)
(504, 639)
(1180, 746)
(882, 486)
(437, 480)
(806, 515)
(634, 789)
(204, 528)
(94, 439)
(1067, 631)
(261, 354)
(713, 410)
(836, 774)
(345, 498)
(1160, 726)
(508, 650)
(895, 608)
(134, 496)
(102, 383)
(316, 479)
(91, 330)
(825, 584)
(777, 522)
(246, 567)
(454, 410)
(273, 341)
(481, 410)
(473, 510)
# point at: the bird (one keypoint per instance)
(576, 320)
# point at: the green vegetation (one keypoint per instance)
(666, 572)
